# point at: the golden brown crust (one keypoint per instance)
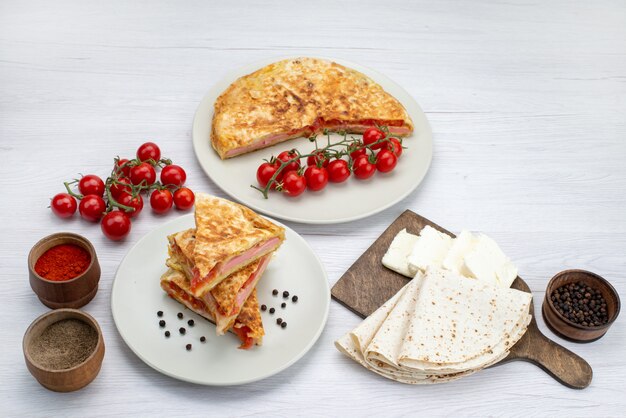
(250, 316)
(225, 229)
(293, 95)
(225, 293)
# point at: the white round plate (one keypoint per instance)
(137, 296)
(348, 201)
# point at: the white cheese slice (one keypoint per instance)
(396, 256)
(484, 260)
(470, 255)
(461, 245)
(430, 250)
(506, 273)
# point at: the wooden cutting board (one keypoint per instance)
(368, 284)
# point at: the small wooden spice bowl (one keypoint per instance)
(70, 379)
(72, 293)
(567, 329)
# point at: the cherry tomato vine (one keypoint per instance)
(119, 198)
(332, 162)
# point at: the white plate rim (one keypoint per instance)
(200, 142)
(273, 372)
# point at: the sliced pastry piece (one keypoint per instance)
(248, 325)
(230, 295)
(300, 97)
(228, 237)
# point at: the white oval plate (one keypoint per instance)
(137, 296)
(351, 200)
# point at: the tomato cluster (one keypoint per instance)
(334, 163)
(119, 198)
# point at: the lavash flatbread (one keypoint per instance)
(458, 319)
(392, 343)
(354, 343)
(386, 344)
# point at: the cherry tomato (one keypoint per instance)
(294, 184)
(149, 151)
(265, 172)
(372, 135)
(184, 198)
(394, 146)
(316, 177)
(91, 184)
(136, 202)
(318, 159)
(386, 161)
(122, 185)
(115, 225)
(92, 207)
(143, 172)
(363, 168)
(338, 171)
(173, 175)
(286, 156)
(161, 201)
(63, 205)
(122, 167)
(356, 149)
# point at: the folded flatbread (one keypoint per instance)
(228, 238)
(462, 323)
(300, 97)
(231, 293)
(248, 325)
(438, 328)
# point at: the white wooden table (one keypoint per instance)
(527, 102)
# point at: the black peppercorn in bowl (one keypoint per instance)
(580, 306)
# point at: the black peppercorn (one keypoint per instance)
(294, 298)
(263, 308)
(283, 305)
(188, 347)
(161, 323)
(180, 315)
(279, 321)
(272, 310)
(283, 325)
(182, 330)
(285, 294)
(275, 292)
(190, 323)
(160, 314)
(202, 339)
(167, 334)
(580, 304)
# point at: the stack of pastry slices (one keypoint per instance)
(214, 268)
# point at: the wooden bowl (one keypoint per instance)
(568, 329)
(65, 380)
(72, 293)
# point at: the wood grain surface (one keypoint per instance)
(367, 285)
(526, 102)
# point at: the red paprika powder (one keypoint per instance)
(63, 262)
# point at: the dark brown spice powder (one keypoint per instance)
(63, 344)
